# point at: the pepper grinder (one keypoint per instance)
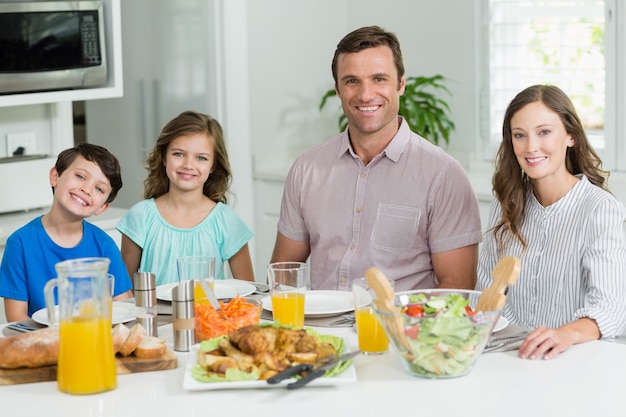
(183, 315)
(145, 299)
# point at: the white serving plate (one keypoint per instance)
(500, 324)
(191, 384)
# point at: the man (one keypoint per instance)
(378, 194)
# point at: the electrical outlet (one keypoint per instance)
(21, 143)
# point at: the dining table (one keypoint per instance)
(587, 380)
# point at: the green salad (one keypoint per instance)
(445, 333)
(233, 375)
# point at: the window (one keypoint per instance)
(568, 43)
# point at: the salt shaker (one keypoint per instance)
(183, 315)
(145, 299)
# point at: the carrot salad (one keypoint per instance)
(234, 314)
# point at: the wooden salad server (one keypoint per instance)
(378, 282)
(505, 273)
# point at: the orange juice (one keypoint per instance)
(86, 360)
(198, 293)
(372, 337)
(288, 307)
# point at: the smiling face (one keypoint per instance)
(81, 189)
(189, 161)
(540, 142)
(369, 89)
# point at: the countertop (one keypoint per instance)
(10, 222)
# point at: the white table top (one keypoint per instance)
(588, 380)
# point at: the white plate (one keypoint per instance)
(322, 303)
(224, 288)
(122, 313)
(191, 384)
(500, 324)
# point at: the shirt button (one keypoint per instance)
(358, 210)
(352, 246)
(363, 174)
(343, 280)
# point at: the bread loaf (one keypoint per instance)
(30, 350)
(151, 347)
(41, 347)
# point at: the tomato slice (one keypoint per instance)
(412, 332)
(415, 310)
(469, 311)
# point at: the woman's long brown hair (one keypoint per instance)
(511, 185)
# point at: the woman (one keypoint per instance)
(554, 212)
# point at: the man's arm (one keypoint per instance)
(288, 250)
(456, 268)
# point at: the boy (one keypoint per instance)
(84, 180)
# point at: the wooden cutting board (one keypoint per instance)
(124, 365)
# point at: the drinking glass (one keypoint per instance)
(287, 281)
(370, 333)
(86, 363)
(197, 268)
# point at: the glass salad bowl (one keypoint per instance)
(436, 334)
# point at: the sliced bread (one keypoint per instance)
(120, 333)
(151, 347)
(136, 335)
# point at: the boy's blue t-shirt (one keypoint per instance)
(30, 256)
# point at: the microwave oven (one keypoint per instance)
(51, 45)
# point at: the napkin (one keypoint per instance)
(508, 337)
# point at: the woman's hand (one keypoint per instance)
(547, 343)
(544, 343)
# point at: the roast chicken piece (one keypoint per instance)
(267, 350)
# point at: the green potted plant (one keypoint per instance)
(421, 106)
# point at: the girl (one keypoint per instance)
(553, 210)
(185, 211)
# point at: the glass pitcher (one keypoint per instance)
(86, 362)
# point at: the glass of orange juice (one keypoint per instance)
(86, 363)
(370, 333)
(197, 268)
(287, 282)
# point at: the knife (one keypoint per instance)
(314, 370)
